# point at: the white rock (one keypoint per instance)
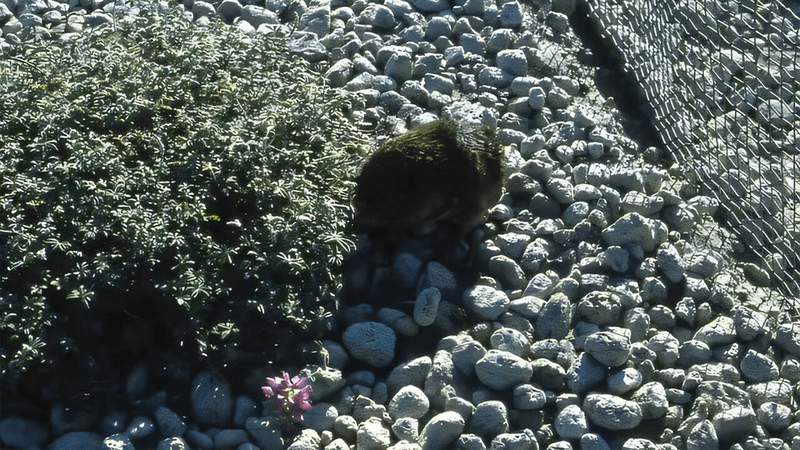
(409, 401)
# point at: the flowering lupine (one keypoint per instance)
(289, 396)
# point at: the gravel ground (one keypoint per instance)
(608, 311)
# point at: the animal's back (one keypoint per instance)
(436, 173)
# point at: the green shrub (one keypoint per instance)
(157, 163)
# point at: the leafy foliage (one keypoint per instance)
(158, 160)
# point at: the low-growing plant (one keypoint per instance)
(153, 167)
(287, 397)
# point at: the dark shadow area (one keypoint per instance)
(612, 81)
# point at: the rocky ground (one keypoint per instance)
(603, 307)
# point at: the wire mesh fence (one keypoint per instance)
(722, 86)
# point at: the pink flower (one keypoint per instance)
(289, 396)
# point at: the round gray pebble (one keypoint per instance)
(370, 342)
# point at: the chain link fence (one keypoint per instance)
(722, 86)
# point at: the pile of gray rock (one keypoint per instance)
(599, 320)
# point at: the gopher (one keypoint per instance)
(435, 173)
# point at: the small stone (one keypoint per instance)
(370, 342)
(670, 263)
(562, 190)
(501, 370)
(346, 427)
(749, 324)
(258, 16)
(170, 423)
(757, 367)
(633, 228)
(593, 441)
(624, 381)
(83, 440)
(430, 5)
(453, 56)
(513, 62)
(639, 202)
(778, 391)
(324, 383)
(537, 98)
(266, 432)
(201, 441)
(474, 43)
(373, 435)
(510, 15)
(320, 417)
(527, 396)
(774, 416)
(494, 77)
(612, 412)
(787, 337)
(652, 398)
(524, 440)
(534, 255)
(230, 438)
(705, 263)
(584, 373)
(307, 46)
(600, 307)
(243, 408)
(339, 73)
(406, 428)
(379, 16)
(735, 423)
(665, 346)
(720, 331)
(512, 244)
(489, 420)
(466, 354)
(409, 401)
(408, 373)
(571, 423)
(441, 430)
(694, 352)
(17, 432)
(437, 275)
(229, 10)
(437, 83)
(398, 67)
(510, 340)
(508, 272)
(703, 437)
(548, 374)
(486, 302)
(610, 349)
(662, 317)
(554, 318)
(211, 399)
(426, 306)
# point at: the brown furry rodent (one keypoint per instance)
(435, 173)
